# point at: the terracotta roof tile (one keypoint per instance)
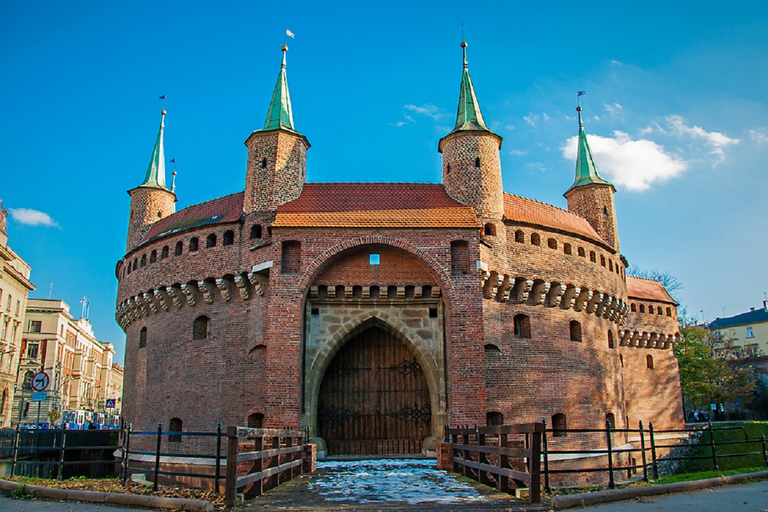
(522, 209)
(647, 289)
(401, 205)
(224, 209)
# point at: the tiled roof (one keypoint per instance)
(373, 205)
(756, 316)
(522, 209)
(224, 209)
(647, 289)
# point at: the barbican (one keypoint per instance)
(373, 314)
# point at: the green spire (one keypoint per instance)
(280, 114)
(586, 169)
(469, 116)
(155, 177)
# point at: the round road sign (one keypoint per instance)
(40, 381)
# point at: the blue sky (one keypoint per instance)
(675, 110)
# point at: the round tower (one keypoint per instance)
(277, 154)
(471, 163)
(152, 200)
(590, 196)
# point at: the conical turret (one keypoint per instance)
(590, 196)
(277, 154)
(471, 163)
(151, 200)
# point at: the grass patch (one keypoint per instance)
(729, 438)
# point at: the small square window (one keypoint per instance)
(315, 311)
(750, 332)
(375, 259)
(432, 312)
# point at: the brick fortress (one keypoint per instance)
(375, 313)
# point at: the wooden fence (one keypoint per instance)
(487, 454)
(259, 459)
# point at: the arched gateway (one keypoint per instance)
(374, 398)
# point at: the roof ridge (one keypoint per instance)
(646, 279)
(208, 201)
(541, 202)
(372, 183)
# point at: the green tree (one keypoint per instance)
(705, 374)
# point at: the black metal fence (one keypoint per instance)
(154, 470)
(646, 456)
(58, 453)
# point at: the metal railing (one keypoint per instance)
(158, 454)
(486, 454)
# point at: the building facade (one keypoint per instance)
(81, 370)
(744, 335)
(14, 290)
(375, 313)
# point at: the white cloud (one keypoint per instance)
(32, 217)
(758, 136)
(518, 152)
(397, 124)
(536, 167)
(532, 118)
(716, 141)
(426, 110)
(633, 165)
(617, 62)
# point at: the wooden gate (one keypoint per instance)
(374, 398)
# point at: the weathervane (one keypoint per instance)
(579, 94)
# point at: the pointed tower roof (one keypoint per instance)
(586, 169)
(469, 117)
(280, 114)
(155, 177)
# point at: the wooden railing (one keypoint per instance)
(487, 454)
(272, 457)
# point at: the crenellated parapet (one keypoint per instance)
(642, 339)
(539, 292)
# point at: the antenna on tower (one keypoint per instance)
(50, 291)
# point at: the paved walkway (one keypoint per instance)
(389, 484)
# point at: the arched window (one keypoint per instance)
(477, 161)
(153, 256)
(669, 311)
(592, 257)
(290, 259)
(490, 229)
(179, 248)
(229, 238)
(143, 260)
(642, 308)
(559, 425)
(27, 384)
(164, 252)
(135, 263)
(193, 244)
(459, 257)
(494, 419)
(491, 349)
(176, 426)
(535, 239)
(567, 249)
(659, 311)
(582, 252)
(519, 237)
(649, 361)
(522, 326)
(552, 243)
(650, 309)
(143, 337)
(200, 328)
(255, 231)
(211, 240)
(633, 307)
(602, 260)
(610, 420)
(575, 328)
(256, 420)
(610, 265)
(610, 339)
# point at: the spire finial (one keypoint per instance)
(579, 94)
(464, 50)
(285, 51)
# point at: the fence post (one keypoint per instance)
(127, 451)
(642, 450)
(534, 465)
(230, 485)
(157, 454)
(654, 462)
(61, 450)
(218, 457)
(545, 455)
(712, 445)
(15, 450)
(765, 456)
(611, 482)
